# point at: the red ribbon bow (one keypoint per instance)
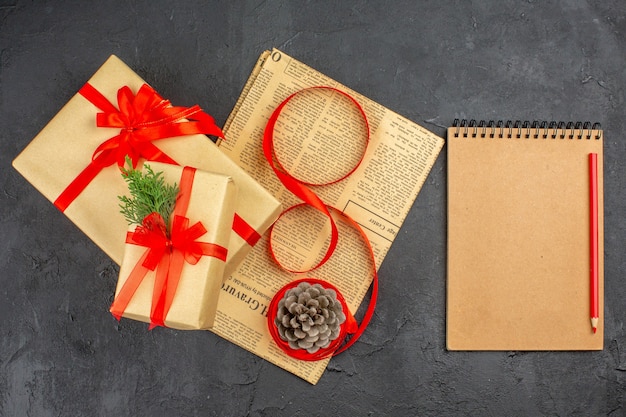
(141, 118)
(152, 234)
(166, 255)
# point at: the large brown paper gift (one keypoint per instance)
(62, 150)
(211, 201)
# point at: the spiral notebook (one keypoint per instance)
(520, 236)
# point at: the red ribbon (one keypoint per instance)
(349, 327)
(245, 231)
(141, 118)
(301, 190)
(298, 187)
(166, 255)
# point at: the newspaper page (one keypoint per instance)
(320, 137)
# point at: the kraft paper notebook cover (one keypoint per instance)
(519, 236)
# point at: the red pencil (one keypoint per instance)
(593, 235)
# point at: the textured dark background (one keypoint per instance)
(63, 354)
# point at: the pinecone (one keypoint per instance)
(309, 317)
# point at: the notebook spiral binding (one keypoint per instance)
(525, 129)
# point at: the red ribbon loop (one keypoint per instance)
(301, 190)
(142, 119)
(166, 255)
(298, 187)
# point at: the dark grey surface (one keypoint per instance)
(63, 354)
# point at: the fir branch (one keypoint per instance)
(148, 194)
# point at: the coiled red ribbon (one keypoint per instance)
(301, 190)
(142, 119)
(166, 254)
(349, 327)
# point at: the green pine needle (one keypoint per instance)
(148, 194)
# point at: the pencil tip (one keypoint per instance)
(594, 324)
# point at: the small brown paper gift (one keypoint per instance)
(65, 147)
(174, 279)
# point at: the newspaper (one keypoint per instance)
(319, 137)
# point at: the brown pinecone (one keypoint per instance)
(309, 317)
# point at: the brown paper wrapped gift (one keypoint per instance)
(62, 150)
(207, 198)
